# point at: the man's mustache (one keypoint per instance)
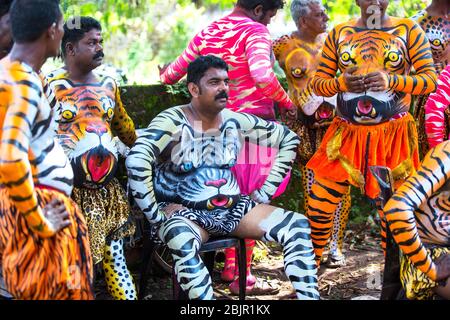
(222, 95)
(99, 54)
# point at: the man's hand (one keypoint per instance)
(56, 215)
(260, 197)
(377, 81)
(171, 208)
(354, 83)
(163, 68)
(289, 115)
(442, 267)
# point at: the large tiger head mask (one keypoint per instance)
(370, 51)
(198, 174)
(84, 115)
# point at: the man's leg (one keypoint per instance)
(336, 258)
(118, 278)
(323, 201)
(184, 239)
(292, 231)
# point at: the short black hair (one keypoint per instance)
(267, 4)
(75, 28)
(197, 68)
(30, 18)
(5, 5)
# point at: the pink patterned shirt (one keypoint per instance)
(435, 108)
(246, 47)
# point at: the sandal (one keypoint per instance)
(260, 287)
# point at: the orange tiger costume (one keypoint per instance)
(418, 215)
(86, 115)
(371, 128)
(437, 29)
(37, 262)
(299, 61)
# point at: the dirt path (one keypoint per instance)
(359, 279)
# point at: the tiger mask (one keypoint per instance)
(301, 64)
(370, 51)
(84, 131)
(198, 174)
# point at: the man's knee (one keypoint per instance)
(178, 232)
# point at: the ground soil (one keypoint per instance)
(359, 279)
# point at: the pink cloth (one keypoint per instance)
(434, 110)
(253, 166)
(246, 47)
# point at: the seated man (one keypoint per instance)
(87, 108)
(418, 215)
(180, 176)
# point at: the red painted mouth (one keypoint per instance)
(99, 165)
(365, 106)
(219, 201)
(324, 112)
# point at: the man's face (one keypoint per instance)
(267, 16)
(6, 41)
(317, 20)
(89, 50)
(213, 89)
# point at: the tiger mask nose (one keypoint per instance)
(97, 129)
(216, 183)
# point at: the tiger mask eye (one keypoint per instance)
(68, 115)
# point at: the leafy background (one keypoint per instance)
(142, 34)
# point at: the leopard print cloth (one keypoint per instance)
(107, 213)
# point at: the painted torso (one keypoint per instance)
(198, 168)
(172, 161)
(48, 163)
(299, 60)
(437, 29)
(85, 114)
(394, 49)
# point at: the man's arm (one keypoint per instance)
(178, 69)
(325, 82)
(399, 211)
(15, 167)
(273, 135)
(143, 156)
(122, 123)
(424, 81)
(435, 108)
(258, 49)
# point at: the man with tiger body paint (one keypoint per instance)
(6, 43)
(435, 21)
(243, 41)
(418, 215)
(43, 235)
(180, 176)
(298, 55)
(374, 54)
(87, 107)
